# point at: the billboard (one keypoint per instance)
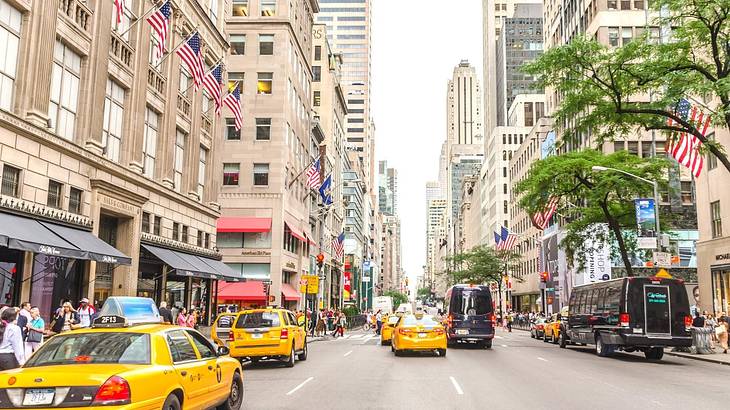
(347, 285)
(646, 237)
(596, 258)
(547, 148)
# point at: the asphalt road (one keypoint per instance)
(517, 373)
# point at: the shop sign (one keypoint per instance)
(255, 252)
(291, 265)
(723, 257)
(108, 259)
(48, 250)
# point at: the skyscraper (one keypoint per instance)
(387, 189)
(464, 106)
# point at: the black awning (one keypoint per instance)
(186, 264)
(201, 268)
(172, 259)
(97, 249)
(27, 234)
(221, 269)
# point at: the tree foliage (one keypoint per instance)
(481, 265)
(398, 297)
(589, 197)
(604, 91)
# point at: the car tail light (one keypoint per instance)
(404, 331)
(114, 391)
(624, 319)
(231, 336)
(493, 318)
(688, 321)
(284, 334)
(439, 331)
(449, 320)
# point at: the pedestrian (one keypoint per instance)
(23, 318)
(320, 329)
(510, 318)
(12, 350)
(86, 313)
(66, 320)
(60, 307)
(342, 323)
(192, 320)
(722, 333)
(165, 313)
(35, 328)
(182, 317)
(698, 321)
(378, 321)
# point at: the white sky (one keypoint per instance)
(416, 45)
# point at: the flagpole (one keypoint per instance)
(176, 47)
(300, 174)
(206, 74)
(138, 19)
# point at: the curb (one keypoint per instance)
(699, 358)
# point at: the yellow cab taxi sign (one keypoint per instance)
(121, 311)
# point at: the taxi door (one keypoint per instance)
(298, 332)
(188, 368)
(212, 375)
(222, 327)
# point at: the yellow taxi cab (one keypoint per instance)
(128, 359)
(267, 333)
(386, 331)
(552, 326)
(418, 332)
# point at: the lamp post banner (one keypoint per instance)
(646, 237)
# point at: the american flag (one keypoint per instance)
(338, 246)
(160, 20)
(686, 149)
(507, 240)
(233, 101)
(212, 83)
(313, 175)
(192, 56)
(541, 219)
(119, 6)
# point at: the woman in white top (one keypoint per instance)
(12, 352)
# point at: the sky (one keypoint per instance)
(415, 49)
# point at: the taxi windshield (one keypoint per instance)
(102, 347)
(253, 320)
(393, 320)
(425, 320)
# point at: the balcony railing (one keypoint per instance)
(77, 12)
(207, 125)
(183, 105)
(156, 81)
(121, 50)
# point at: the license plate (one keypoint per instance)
(256, 335)
(38, 397)
(462, 331)
(422, 335)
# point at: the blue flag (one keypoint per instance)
(325, 191)
(497, 238)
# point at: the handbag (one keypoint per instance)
(720, 330)
(34, 336)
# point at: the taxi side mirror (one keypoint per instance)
(223, 351)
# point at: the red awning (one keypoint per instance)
(230, 224)
(296, 233)
(289, 293)
(252, 291)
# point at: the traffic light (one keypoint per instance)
(543, 277)
(320, 260)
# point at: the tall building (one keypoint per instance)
(433, 191)
(387, 189)
(436, 213)
(519, 43)
(464, 106)
(268, 224)
(110, 160)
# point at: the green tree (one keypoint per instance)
(481, 265)
(423, 294)
(604, 90)
(589, 198)
(398, 297)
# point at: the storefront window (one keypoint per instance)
(54, 279)
(200, 297)
(10, 276)
(721, 283)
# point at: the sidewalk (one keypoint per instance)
(718, 357)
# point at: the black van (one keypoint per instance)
(469, 315)
(643, 314)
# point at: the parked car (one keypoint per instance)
(537, 328)
(554, 324)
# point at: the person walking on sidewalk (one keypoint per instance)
(722, 333)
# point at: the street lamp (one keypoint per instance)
(654, 184)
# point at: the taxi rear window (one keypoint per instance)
(258, 319)
(393, 320)
(102, 347)
(423, 321)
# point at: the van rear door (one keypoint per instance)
(471, 309)
(657, 310)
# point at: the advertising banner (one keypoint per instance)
(646, 237)
(347, 285)
(597, 258)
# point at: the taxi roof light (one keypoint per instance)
(122, 311)
(114, 391)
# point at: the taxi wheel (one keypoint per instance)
(171, 403)
(235, 398)
(442, 352)
(290, 361)
(303, 355)
(563, 341)
(554, 339)
(398, 352)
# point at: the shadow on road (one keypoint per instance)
(623, 357)
(263, 364)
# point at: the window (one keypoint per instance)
(231, 173)
(145, 222)
(111, 136)
(213, 12)
(714, 216)
(238, 44)
(317, 99)
(180, 347)
(205, 349)
(263, 129)
(11, 181)
(10, 34)
(317, 53)
(65, 75)
(157, 227)
(625, 4)
(261, 174)
(316, 73)
(175, 231)
(504, 188)
(185, 81)
(239, 8)
(199, 241)
(639, 4)
(687, 196)
(265, 83)
(232, 134)
(201, 171)
(237, 80)
(711, 158)
(55, 192)
(184, 235)
(266, 44)
(179, 159)
(633, 147)
(618, 146)
(75, 199)
(207, 241)
(613, 36)
(626, 35)
(149, 144)
(268, 8)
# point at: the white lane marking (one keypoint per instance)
(368, 338)
(658, 403)
(504, 345)
(456, 386)
(347, 354)
(499, 337)
(540, 358)
(300, 386)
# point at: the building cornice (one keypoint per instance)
(181, 246)
(32, 209)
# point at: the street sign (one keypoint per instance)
(365, 279)
(309, 284)
(663, 259)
